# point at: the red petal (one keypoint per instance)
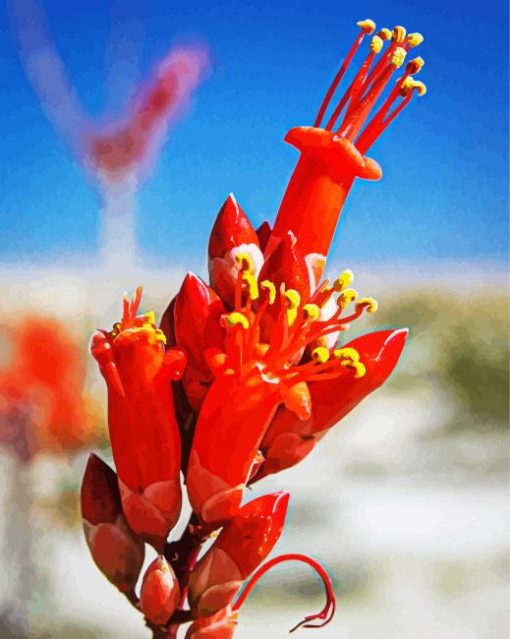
(287, 439)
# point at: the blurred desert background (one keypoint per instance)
(406, 502)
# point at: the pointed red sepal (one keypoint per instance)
(231, 229)
(324, 616)
(289, 440)
(222, 625)
(160, 592)
(197, 313)
(116, 551)
(264, 233)
(287, 265)
(244, 542)
(236, 413)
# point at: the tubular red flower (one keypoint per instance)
(332, 158)
(143, 430)
(289, 440)
(116, 551)
(244, 542)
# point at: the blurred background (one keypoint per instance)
(407, 502)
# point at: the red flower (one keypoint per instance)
(143, 430)
(333, 156)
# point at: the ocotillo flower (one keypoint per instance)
(143, 430)
(117, 552)
(333, 155)
(242, 545)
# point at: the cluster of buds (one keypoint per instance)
(241, 379)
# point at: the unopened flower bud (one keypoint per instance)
(160, 592)
(117, 552)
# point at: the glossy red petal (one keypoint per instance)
(230, 426)
(289, 440)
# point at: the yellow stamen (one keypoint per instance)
(160, 336)
(398, 57)
(415, 65)
(253, 287)
(346, 297)
(414, 39)
(399, 34)
(376, 44)
(347, 353)
(385, 34)
(149, 318)
(369, 303)
(343, 280)
(321, 354)
(237, 319)
(367, 25)
(311, 311)
(271, 288)
(245, 261)
(294, 300)
(410, 84)
(360, 368)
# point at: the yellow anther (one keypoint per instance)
(343, 281)
(376, 44)
(349, 354)
(253, 287)
(398, 57)
(368, 26)
(293, 297)
(237, 319)
(271, 288)
(360, 368)
(346, 297)
(420, 87)
(410, 84)
(115, 329)
(311, 311)
(160, 336)
(367, 302)
(415, 39)
(321, 354)
(385, 34)
(413, 66)
(245, 261)
(294, 300)
(149, 318)
(399, 34)
(214, 534)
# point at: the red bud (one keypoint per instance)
(231, 228)
(117, 552)
(160, 592)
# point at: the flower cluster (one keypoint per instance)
(243, 376)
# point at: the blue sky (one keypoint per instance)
(444, 194)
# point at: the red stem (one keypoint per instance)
(325, 615)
